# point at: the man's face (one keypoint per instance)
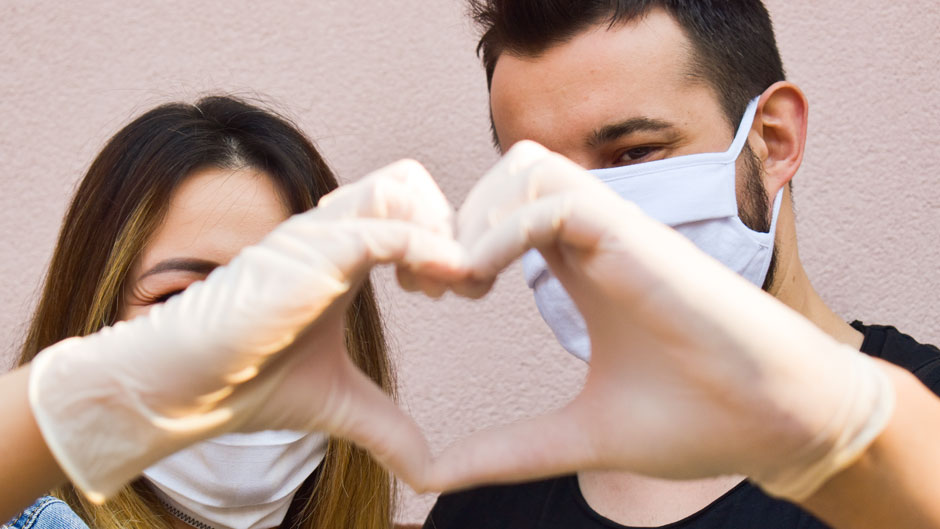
(619, 96)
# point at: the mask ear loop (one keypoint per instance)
(740, 137)
(768, 239)
(776, 213)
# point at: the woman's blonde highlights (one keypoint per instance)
(119, 205)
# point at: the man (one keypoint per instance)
(619, 83)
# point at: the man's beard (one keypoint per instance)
(754, 206)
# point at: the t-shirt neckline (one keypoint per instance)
(607, 522)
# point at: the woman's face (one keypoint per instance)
(211, 217)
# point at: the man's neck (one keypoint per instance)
(792, 287)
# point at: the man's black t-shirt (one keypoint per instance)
(558, 503)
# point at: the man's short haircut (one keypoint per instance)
(733, 44)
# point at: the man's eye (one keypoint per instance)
(635, 154)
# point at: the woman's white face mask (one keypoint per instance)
(694, 194)
(237, 481)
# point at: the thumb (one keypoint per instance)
(552, 444)
(362, 413)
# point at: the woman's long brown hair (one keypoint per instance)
(119, 204)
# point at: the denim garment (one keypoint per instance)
(46, 513)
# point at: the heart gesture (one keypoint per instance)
(694, 371)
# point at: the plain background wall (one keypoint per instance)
(376, 81)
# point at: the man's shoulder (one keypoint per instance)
(890, 344)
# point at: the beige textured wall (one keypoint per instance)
(376, 81)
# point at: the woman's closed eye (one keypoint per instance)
(157, 290)
(163, 297)
(168, 278)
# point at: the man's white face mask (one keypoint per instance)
(237, 481)
(694, 194)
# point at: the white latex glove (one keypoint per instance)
(694, 371)
(218, 358)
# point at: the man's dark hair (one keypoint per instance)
(734, 49)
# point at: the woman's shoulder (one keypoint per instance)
(47, 513)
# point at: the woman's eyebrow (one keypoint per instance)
(198, 266)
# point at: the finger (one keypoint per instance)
(527, 173)
(396, 242)
(552, 444)
(500, 188)
(348, 249)
(410, 281)
(403, 190)
(467, 287)
(569, 220)
(407, 279)
(431, 287)
(366, 416)
(472, 288)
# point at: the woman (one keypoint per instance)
(202, 181)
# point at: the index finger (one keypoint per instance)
(403, 190)
(525, 174)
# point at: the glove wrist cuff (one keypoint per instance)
(99, 432)
(862, 415)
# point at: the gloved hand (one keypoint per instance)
(694, 371)
(219, 357)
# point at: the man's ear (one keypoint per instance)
(778, 136)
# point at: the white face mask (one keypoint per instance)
(237, 481)
(694, 194)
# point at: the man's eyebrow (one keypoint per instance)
(609, 133)
(198, 266)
